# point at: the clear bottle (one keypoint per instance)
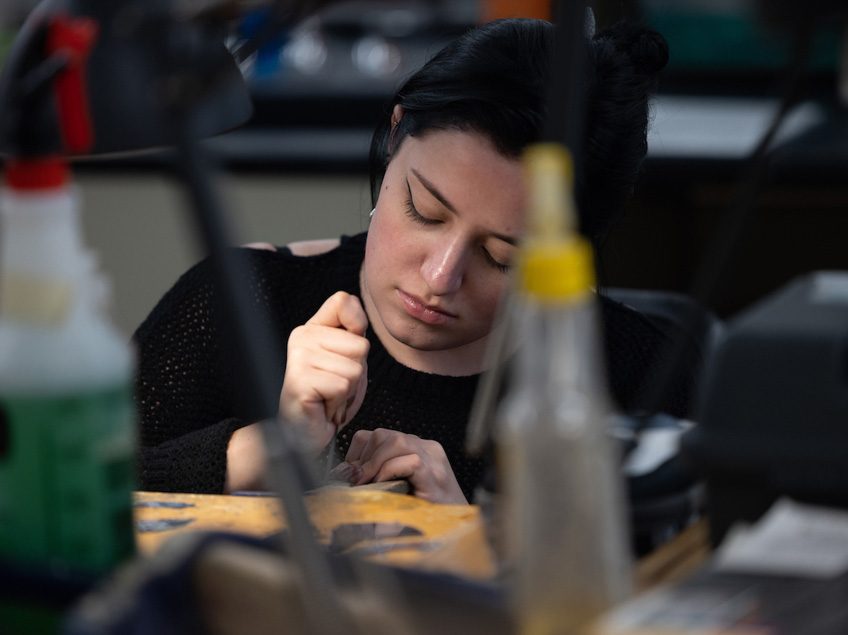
(565, 524)
(67, 433)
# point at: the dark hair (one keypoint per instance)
(493, 79)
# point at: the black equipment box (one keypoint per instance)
(773, 405)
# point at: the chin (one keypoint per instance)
(419, 343)
(430, 341)
(421, 337)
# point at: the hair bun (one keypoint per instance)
(648, 50)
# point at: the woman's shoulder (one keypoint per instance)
(313, 247)
(308, 269)
(637, 346)
(618, 316)
(298, 247)
(310, 248)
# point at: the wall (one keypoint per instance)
(141, 228)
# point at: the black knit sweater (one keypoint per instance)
(186, 388)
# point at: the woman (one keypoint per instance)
(385, 331)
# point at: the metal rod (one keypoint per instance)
(254, 346)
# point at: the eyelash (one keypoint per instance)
(416, 216)
(500, 267)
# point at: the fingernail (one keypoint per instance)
(355, 474)
(342, 472)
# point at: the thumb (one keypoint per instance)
(342, 310)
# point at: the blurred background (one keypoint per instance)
(298, 169)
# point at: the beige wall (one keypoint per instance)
(142, 231)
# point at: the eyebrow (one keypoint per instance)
(433, 190)
(444, 201)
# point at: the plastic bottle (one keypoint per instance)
(66, 416)
(565, 527)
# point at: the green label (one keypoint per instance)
(66, 479)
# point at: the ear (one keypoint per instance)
(397, 114)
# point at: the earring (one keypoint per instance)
(371, 215)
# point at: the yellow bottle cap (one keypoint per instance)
(557, 271)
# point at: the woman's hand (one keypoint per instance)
(383, 455)
(326, 373)
(246, 460)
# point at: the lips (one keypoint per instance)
(426, 313)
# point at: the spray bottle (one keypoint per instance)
(66, 416)
(564, 519)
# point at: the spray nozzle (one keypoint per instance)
(34, 174)
(550, 177)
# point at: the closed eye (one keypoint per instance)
(413, 213)
(494, 263)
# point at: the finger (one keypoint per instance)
(384, 447)
(345, 472)
(358, 398)
(315, 337)
(344, 343)
(340, 414)
(357, 445)
(342, 310)
(315, 435)
(352, 316)
(338, 407)
(335, 410)
(404, 466)
(349, 369)
(305, 365)
(340, 418)
(317, 387)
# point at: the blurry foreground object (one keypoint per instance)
(81, 78)
(228, 584)
(131, 75)
(66, 416)
(566, 535)
(143, 64)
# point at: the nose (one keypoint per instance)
(444, 266)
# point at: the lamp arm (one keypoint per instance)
(254, 347)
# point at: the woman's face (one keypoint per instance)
(442, 238)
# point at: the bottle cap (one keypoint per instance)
(558, 270)
(37, 174)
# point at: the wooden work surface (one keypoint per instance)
(247, 590)
(451, 536)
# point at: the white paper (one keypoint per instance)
(791, 539)
(655, 447)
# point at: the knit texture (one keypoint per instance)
(187, 391)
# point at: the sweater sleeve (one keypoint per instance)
(194, 462)
(184, 390)
(189, 394)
